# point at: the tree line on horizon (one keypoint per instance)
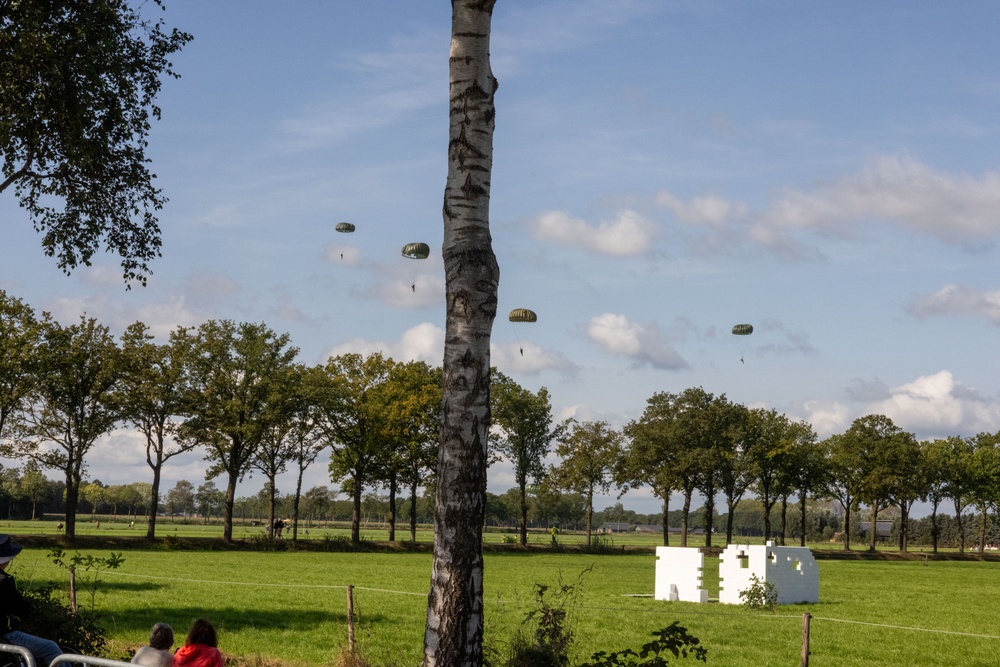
(235, 391)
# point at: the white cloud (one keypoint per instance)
(931, 406)
(161, 317)
(773, 337)
(424, 342)
(939, 406)
(103, 276)
(642, 343)
(414, 290)
(958, 300)
(529, 359)
(953, 208)
(408, 283)
(628, 234)
(711, 210)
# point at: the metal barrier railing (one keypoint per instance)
(87, 660)
(65, 658)
(29, 660)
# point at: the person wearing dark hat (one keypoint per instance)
(14, 607)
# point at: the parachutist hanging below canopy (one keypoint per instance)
(416, 251)
(742, 330)
(522, 315)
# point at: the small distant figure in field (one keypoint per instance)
(59, 527)
(201, 648)
(98, 523)
(555, 531)
(279, 526)
(157, 654)
(131, 524)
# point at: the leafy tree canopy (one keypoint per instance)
(78, 80)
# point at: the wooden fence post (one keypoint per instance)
(350, 618)
(72, 588)
(805, 639)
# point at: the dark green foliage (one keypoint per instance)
(552, 638)
(673, 639)
(544, 639)
(264, 542)
(78, 83)
(53, 619)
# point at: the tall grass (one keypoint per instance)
(291, 606)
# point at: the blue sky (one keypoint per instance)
(662, 170)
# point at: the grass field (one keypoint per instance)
(291, 606)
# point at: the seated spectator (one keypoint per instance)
(157, 654)
(201, 648)
(14, 608)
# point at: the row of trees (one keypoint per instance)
(234, 390)
(696, 442)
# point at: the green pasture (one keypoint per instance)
(291, 606)
(371, 531)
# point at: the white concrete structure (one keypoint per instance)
(791, 570)
(678, 574)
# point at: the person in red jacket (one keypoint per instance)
(201, 648)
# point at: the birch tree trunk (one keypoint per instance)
(454, 632)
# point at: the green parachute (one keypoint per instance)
(742, 330)
(344, 227)
(416, 250)
(522, 315)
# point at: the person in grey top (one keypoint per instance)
(157, 654)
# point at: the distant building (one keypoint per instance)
(614, 527)
(883, 529)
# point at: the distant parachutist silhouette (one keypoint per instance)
(741, 360)
(414, 288)
(342, 255)
(522, 351)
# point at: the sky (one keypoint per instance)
(663, 170)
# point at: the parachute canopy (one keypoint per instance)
(345, 227)
(743, 329)
(522, 315)
(416, 250)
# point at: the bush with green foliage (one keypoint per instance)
(52, 618)
(673, 639)
(544, 638)
(760, 595)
